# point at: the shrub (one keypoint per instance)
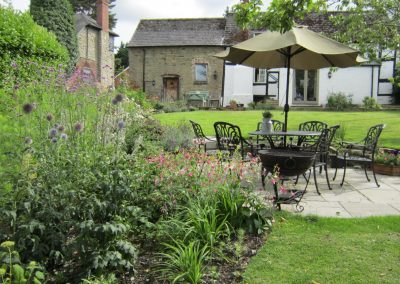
(251, 105)
(370, 104)
(177, 137)
(264, 106)
(339, 101)
(27, 51)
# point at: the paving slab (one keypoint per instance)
(369, 209)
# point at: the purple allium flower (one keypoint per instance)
(121, 124)
(61, 128)
(53, 132)
(16, 87)
(78, 127)
(28, 140)
(119, 98)
(28, 107)
(114, 101)
(64, 136)
(14, 64)
(49, 117)
(60, 65)
(53, 140)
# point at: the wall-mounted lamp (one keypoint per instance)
(153, 83)
(329, 74)
(215, 75)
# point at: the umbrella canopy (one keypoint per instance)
(298, 48)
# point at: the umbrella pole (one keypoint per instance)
(286, 107)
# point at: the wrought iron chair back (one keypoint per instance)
(312, 125)
(371, 140)
(229, 138)
(277, 126)
(198, 131)
(368, 146)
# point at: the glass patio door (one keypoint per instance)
(306, 86)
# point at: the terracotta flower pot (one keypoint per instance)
(387, 170)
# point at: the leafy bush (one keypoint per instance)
(252, 105)
(370, 103)
(176, 106)
(264, 106)
(12, 270)
(339, 101)
(177, 137)
(27, 51)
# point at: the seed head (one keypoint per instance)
(78, 127)
(114, 101)
(53, 132)
(121, 124)
(119, 98)
(28, 140)
(61, 128)
(49, 117)
(53, 140)
(64, 136)
(27, 108)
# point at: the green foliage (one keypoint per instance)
(371, 25)
(396, 84)
(370, 104)
(121, 58)
(176, 106)
(264, 106)
(279, 16)
(251, 105)
(267, 114)
(12, 270)
(26, 51)
(183, 262)
(176, 137)
(102, 279)
(339, 101)
(57, 17)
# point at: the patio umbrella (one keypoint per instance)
(298, 48)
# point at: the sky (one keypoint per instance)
(129, 12)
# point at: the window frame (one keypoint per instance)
(196, 78)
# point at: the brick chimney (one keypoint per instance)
(102, 14)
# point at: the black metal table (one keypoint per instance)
(290, 133)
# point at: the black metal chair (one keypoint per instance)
(201, 139)
(277, 126)
(230, 139)
(322, 150)
(312, 125)
(366, 146)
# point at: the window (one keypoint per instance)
(200, 73)
(111, 43)
(260, 75)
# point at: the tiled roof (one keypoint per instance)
(82, 21)
(182, 32)
(319, 22)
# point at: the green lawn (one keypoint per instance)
(329, 250)
(357, 123)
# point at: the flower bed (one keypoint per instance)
(387, 162)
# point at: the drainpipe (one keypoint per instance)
(223, 84)
(372, 81)
(144, 70)
(394, 69)
(266, 84)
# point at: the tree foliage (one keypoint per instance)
(88, 7)
(372, 25)
(57, 17)
(121, 58)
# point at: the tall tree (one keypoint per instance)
(57, 17)
(88, 7)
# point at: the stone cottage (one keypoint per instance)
(96, 47)
(172, 59)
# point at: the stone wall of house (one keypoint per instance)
(161, 62)
(106, 61)
(93, 46)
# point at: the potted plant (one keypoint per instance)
(387, 162)
(266, 125)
